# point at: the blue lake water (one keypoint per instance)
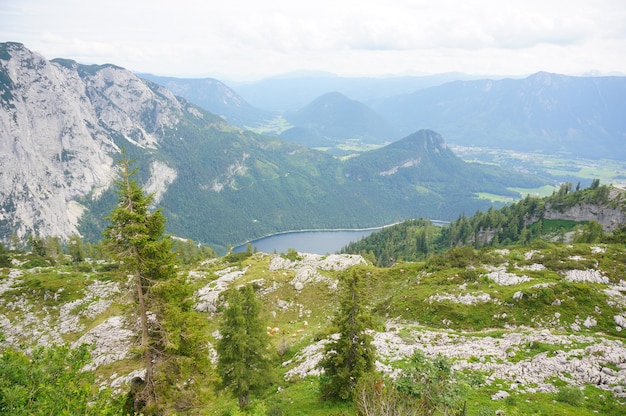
(314, 242)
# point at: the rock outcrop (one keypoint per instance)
(60, 124)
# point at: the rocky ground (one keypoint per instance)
(515, 359)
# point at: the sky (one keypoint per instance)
(251, 39)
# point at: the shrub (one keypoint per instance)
(570, 394)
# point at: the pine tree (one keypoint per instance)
(75, 249)
(244, 360)
(136, 239)
(352, 355)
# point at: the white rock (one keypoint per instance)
(207, 297)
(620, 320)
(590, 322)
(500, 276)
(590, 275)
(111, 341)
(465, 298)
(501, 394)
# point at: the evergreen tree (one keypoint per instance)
(135, 238)
(5, 260)
(351, 356)
(244, 359)
(75, 249)
(37, 245)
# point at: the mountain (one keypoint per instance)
(216, 97)
(292, 91)
(581, 116)
(424, 160)
(334, 117)
(63, 125)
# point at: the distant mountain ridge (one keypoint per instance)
(582, 116)
(577, 116)
(63, 125)
(216, 97)
(291, 92)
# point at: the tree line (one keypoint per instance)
(520, 223)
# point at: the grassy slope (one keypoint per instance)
(411, 306)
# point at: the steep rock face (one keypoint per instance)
(609, 218)
(59, 125)
(610, 215)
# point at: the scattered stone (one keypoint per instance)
(590, 322)
(207, 297)
(308, 361)
(501, 394)
(598, 249)
(465, 299)
(591, 276)
(533, 267)
(500, 276)
(620, 320)
(307, 266)
(111, 340)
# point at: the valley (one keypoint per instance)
(560, 167)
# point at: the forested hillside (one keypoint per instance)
(583, 215)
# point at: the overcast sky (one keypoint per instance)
(251, 39)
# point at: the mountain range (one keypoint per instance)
(63, 125)
(580, 116)
(551, 113)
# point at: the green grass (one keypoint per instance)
(497, 198)
(542, 191)
(557, 166)
(276, 125)
(43, 284)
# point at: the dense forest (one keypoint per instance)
(520, 223)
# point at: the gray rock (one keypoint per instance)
(501, 394)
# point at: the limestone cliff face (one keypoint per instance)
(610, 218)
(60, 126)
(609, 215)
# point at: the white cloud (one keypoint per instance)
(248, 38)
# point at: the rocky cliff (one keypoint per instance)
(60, 124)
(610, 216)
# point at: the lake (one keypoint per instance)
(314, 242)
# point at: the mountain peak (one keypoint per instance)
(428, 140)
(337, 117)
